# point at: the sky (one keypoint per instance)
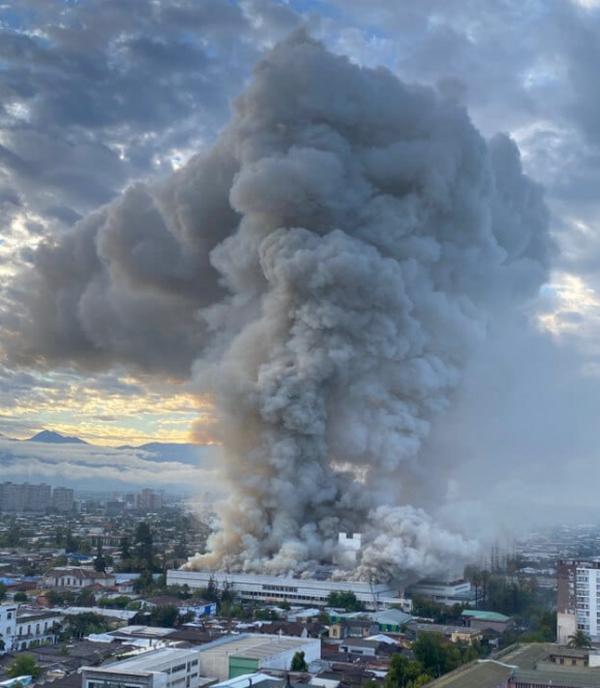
(99, 94)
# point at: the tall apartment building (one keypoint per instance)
(20, 497)
(63, 499)
(148, 500)
(17, 498)
(578, 598)
(38, 497)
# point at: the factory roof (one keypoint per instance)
(244, 680)
(390, 617)
(481, 675)
(142, 631)
(526, 656)
(525, 663)
(444, 629)
(146, 660)
(254, 646)
(482, 615)
(580, 677)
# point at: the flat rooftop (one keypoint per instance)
(145, 661)
(263, 579)
(254, 646)
(142, 631)
(524, 662)
(482, 675)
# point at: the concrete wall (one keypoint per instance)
(266, 650)
(8, 625)
(566, 625)
(283, 660)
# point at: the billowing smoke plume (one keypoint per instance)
(325, 271)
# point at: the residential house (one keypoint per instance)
(76, 578)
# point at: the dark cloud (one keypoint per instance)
(96, 93)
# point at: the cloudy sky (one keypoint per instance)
(98, 94)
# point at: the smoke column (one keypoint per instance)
(324, 273)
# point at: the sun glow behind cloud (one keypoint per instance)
(571, 305)
(109, 411)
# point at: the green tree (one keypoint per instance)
(299, 662)
(20, 597)
(144, 546)
(99, 559)
(403, 672)
(71, 542)
(125, 551)
(79, 625)
(24, 665)
(119, 602)
(211, 592)
(227, 594)
(475, 576)
(143, 582)
(167, 616)
(12, 537)
(85, 598)
(432, 652)
(57, 599)
(579, 639)
(266, 615)
(440, 613)
(2, 591)
(346, 600)
(421, 680)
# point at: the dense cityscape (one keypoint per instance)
(91, 586)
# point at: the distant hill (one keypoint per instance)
(191, 454)
(54, 438)
(71, 462)
(158, 452)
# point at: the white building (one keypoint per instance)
(8, 625)
(76, 577)
(275, 589)
(34, 628)
(578, 600)
(236, 655)
(348, 548)
(444, 592)
(165, 668)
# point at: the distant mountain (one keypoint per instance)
(190, 454)
(54, 438)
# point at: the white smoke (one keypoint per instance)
(331, 266)
(378, 233)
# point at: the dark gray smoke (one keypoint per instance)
(326, 271)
